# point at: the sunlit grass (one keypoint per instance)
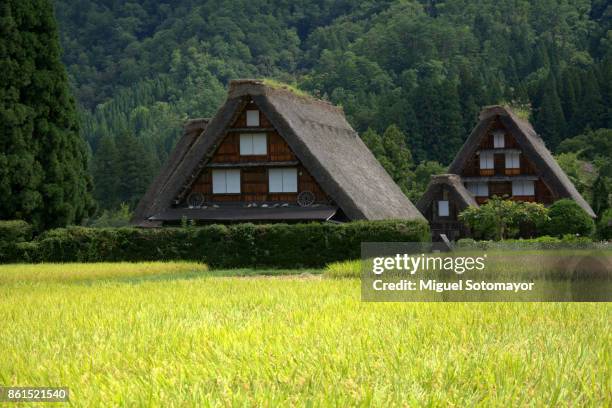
(272, 83)
(287, 341)
(91, 271)
(344, 269)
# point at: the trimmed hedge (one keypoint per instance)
(543, 242)
(225, 246)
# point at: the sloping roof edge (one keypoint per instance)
(460, 194)
(330, 121)
(191, 130)
(533, 146)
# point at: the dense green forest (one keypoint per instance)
(410, 75)
(43, 159)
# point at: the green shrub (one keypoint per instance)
(604, 227)
(227, 246)
(12, 233)
(567, 217)
(15, 231)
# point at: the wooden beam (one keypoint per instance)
(253, 164)
(250, 130)
(500, 178)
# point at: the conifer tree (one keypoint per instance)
(550, 121)
(591, 112)
(106, 173)
(43, 160)
(136, 169)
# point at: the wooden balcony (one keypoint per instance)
(486, 172)
(512, 172)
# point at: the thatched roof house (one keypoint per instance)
(504, 157)
(271, 154)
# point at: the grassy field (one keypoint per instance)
(178, 335)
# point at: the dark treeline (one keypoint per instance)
(411, 75)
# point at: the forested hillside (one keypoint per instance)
(140, 68)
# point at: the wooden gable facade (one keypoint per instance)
(503, 157)
(500, 167)
(254, 168)
(271, 155)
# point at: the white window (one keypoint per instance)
(253, 144)
(252, 117)
(486, 160)
(498, 139)
(443, 208)
(226, 181)
(478, 189)
(523, 188)
(513, 160)
(282, 180)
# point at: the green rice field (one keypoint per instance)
(180, 335)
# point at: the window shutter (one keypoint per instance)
(443, 208)
(486, 160)
(289, 180)
(275, 180)
(246, 145)
(282, 180)
(256, 144)
(260, 144)
(498, 140)
(226, 181)
(478, 189)
(523, 188)
(218, 180)
(252, 117)
(483, 189)
(513, 160)
(232, 181)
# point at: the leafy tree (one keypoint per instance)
(113, 218)
(602, 191)
(422, 176)
(582, 173)
(604, 227)
(136, 170)
(426, 66)
(393, 154)
(43, 160)
(106, 173)
(567, 217)
(500, 219)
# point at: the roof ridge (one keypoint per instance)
(253, 86)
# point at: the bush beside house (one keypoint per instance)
(567, 217)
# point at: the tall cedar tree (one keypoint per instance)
(106, 173)
(550, 121)
(136, 166)
(43, 160)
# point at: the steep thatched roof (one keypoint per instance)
(318, 134)
(460, 195)
(533, 147)
(192, 129)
